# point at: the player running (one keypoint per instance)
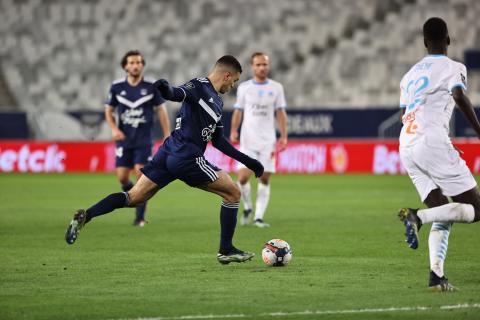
(181, 157)
(258, 100)
(129, 110)
(429, 92)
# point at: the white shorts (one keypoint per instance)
(436, 167)
(266, 158)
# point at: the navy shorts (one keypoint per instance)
(129, 157)
(165, 168)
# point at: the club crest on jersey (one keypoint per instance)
(143, 92)
(207, 132)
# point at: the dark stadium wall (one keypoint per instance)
(302, 124)
(13, 125)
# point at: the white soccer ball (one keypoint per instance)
(277, 253)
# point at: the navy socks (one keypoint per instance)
(128, 186)
(228, 221)
(108, 204)
(140, 211)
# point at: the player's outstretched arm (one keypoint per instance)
(466, 106)
(222, 144)
(168, 92)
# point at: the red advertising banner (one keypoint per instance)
(309, 156)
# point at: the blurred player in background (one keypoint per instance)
(129, 110)
(258, 100)
(429, 92)
(181, 157)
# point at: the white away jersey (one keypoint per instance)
(258, 101)
(426, 95)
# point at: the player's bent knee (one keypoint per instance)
(135, 199)
(233, 195)
(242, 180)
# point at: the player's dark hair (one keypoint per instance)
(256, 54)
(129, 54)
(229, 62)
(435, 29)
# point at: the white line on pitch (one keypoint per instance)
(315, 312)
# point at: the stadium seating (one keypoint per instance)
(63, 55)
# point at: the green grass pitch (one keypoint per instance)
(349, 254)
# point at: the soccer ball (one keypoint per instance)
(277, 253)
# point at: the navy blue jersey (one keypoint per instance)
(135, 107)
(198, 118)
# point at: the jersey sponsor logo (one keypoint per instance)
(259, 110)
(203, 80)
(210, 100)
(123, 93)
(133, 117)
(136, 103)
(207, 132)
(408, 120)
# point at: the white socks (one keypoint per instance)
(247, 199)
(451, 212)
(263, 196)
(442, 218)
(438, 245)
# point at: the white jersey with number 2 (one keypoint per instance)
(426, 95)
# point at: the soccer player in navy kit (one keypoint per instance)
(129, 110)
(181, 157)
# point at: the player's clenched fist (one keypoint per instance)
(255, 166)
(163, 86)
